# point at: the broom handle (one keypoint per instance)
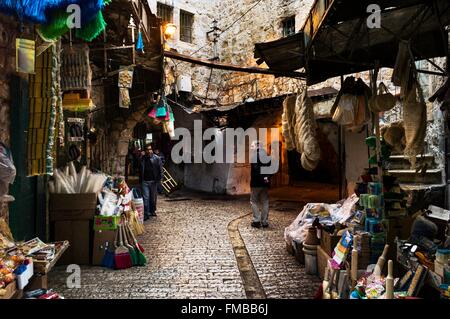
(120, 235)
(124, 235)
(115, 239)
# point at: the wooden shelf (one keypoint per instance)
(45, 266)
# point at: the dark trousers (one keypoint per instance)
(150, 194)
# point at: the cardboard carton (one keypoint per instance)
(103, 239)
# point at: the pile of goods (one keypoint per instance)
(68, 181)
(328, 215)
(299, 129)
(115, 200)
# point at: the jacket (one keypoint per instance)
(157, 168)
(258, 179)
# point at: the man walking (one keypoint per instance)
(259, 185)
(150, 176)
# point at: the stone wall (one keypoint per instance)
(262, 24)
(201, 47)
(7, 65)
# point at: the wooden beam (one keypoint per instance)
(231, 67)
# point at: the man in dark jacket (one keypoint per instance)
(150, 176)
(259, 185)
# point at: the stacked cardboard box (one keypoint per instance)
(71, 217)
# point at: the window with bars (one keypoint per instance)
(165, 12)
(289, 26)
(186, 23)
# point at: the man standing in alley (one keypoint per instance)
(151, 173)
(259, 185)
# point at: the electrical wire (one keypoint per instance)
(243, 15)
(226, 29)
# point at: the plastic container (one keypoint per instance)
(443, 256)
(310, 252)
(24, 278)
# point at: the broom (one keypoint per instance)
(135, 240)
(142, 260)
(135, 225)
(131, 249)
(122, 256)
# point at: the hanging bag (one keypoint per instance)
(161, 110)
(345, 111)
(383, 101)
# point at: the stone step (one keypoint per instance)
(401, 161)
(431, 176)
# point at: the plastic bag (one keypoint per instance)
(7, 170)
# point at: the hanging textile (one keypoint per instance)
(43, 108)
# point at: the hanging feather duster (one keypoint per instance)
(140, 42)
(57, 28)
(93, 29)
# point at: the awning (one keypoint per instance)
(286, 54)
(268, 104)
(337, 40)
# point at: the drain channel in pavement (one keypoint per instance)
(252, 285)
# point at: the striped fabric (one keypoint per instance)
(43, 100)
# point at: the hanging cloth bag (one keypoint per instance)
(383, 101)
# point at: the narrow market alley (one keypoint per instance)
(190, 254)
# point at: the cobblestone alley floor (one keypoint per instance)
(191, 255)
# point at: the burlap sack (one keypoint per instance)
(415, 123)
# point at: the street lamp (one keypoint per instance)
(169, 30)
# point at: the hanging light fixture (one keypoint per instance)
(169, 30)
